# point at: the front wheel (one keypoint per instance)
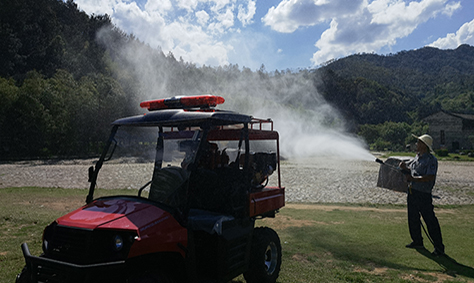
(151, 277)
(265, 257)
(24, 276)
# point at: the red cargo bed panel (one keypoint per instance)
(267, 199)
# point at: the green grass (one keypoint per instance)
(455, 157)
(321, 243)
(365, 244)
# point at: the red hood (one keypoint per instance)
(115, 213)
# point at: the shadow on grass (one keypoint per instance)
(347, 248)
(450, 265)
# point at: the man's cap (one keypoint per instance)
(426, 139)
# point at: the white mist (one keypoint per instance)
(308, 125)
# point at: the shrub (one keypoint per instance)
(442, 152)
(380, 144)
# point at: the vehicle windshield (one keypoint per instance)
(178, 169)
(138, 156)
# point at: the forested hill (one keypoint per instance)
(65, 75)
(428, 61)
(424, 81)
(46, 35)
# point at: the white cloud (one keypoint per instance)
(222, 22)
(201, 31)
(465, 35)
(226, 19)
(355, 26)
(193, 44)
(98, 7)
(290, 15)
(191, 29)
(140, 23)
(219, 4)
(451, 7)
(202, 17)
(161, 6)
(188, 5)
(246, 16)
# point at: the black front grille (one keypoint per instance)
(84, 246)
(71, 244)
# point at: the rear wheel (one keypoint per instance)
(265, 257)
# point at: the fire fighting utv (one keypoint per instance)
(197, 180)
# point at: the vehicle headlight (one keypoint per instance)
(118, 242)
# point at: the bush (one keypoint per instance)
(380, 144)
(442, 152)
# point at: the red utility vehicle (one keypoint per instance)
(202, 178)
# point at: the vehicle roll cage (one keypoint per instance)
(182, 123)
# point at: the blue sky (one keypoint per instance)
(290, 34)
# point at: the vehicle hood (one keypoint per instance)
(115, 213)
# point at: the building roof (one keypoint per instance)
(463, 116)
(457, 115)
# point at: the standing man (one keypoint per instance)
(421, 179)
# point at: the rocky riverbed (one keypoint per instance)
(309, 180)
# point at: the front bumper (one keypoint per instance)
(42, 269)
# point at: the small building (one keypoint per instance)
(452, 131)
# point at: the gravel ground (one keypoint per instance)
(312, 180)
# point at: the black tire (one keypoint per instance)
(23, 276)
(151, 277)
(265, 257)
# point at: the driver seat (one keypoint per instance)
(166, 182)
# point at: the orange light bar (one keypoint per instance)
(183, 102)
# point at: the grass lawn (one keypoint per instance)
(320, 243)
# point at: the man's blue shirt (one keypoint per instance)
(422, 165)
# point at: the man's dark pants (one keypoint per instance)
(420, 203)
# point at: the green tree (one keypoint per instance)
(26, 124)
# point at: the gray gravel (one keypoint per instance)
(354, 181)
(311, 180)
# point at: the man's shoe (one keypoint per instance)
(414, 245)
(437, 252)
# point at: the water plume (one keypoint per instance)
(308, 125)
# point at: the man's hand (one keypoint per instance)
(403, 165)
(405, 170)
(424, 178)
